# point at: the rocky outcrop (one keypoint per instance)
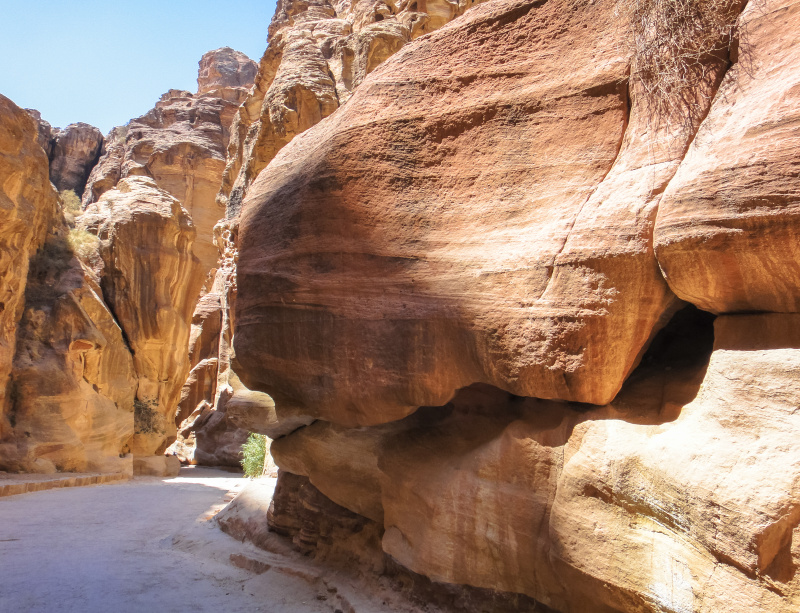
(27, 205)
(410, 241)
(76, 150)
(150, 281)
(73, 152)
(73, 381)
(224, 69)
(727, 232)
(470, 266)
(181, 144)
(319, 53)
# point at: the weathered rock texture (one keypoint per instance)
(73, 152)
(73, 381)
(76, 150)
(319, 53)
(150, 281)
(181, 144)
(27, 205)
(411, 242)
(727, 232)
(458, 282)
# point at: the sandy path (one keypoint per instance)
(145, 545)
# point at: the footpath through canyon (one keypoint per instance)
(511, 288)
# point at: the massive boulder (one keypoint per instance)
(425, 238)
(181, 144)
(27, 205)
(462, 289)
(150, 281)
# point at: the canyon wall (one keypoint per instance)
(97, 323)
(524, 330)
(318, 54)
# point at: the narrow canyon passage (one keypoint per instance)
(145, 545)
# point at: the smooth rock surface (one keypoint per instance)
(150, 281)
(411, 241)
(728, 230)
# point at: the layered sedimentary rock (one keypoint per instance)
(462, 282)
(73, 381)
(181, 144)
(150, 281)
(27, 205)
(411, 241)
(727, 232)
(319, 53)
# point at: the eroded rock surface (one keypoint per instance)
(727, 232)
(319, 53)
(411, 241)
(181, 144)
(150, 281)
(27, 205)
(73, 380)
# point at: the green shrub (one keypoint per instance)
(254, 454)
(71, 201)
(82, 243)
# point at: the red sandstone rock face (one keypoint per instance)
(727, 232)
(319, 53)
(440, 229)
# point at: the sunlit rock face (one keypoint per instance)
(181, 144)
(319, 53)
(727, 235)
(27, 205)
(149, 276)
(74, 380)
(441, 228)
(454, 289)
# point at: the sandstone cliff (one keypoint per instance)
(27, 205)
(181, 144)
(470, 268)
(73, 152)
(318, 55)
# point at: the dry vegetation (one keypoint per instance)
(678, 48)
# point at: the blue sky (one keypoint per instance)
(107, 62)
